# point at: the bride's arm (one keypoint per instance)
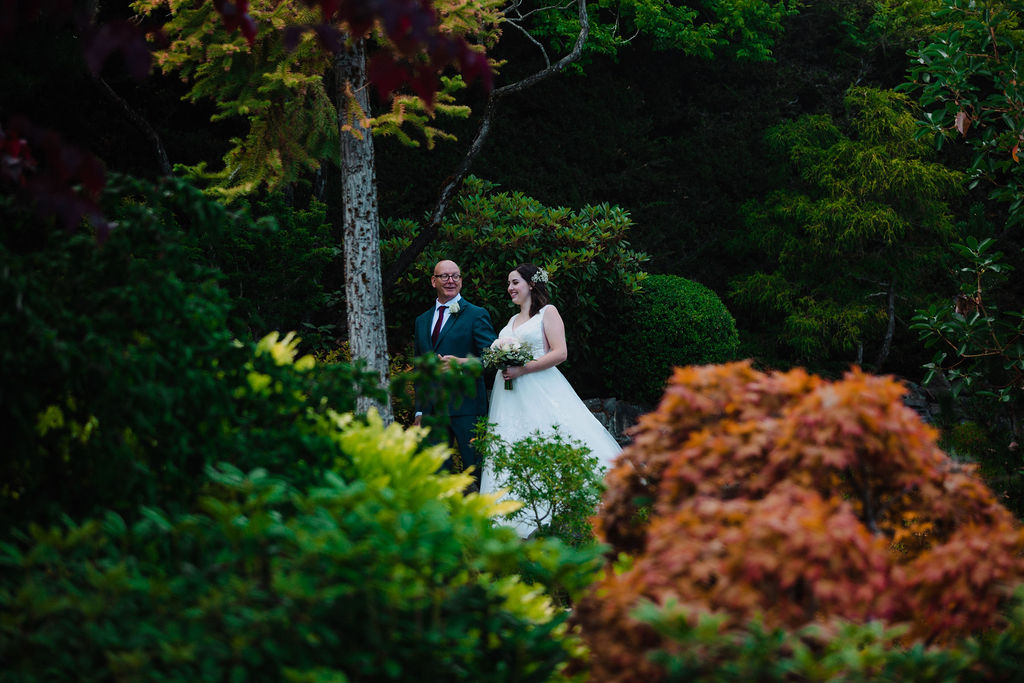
(554, 333)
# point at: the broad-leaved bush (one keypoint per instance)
(594, 274)
(555, 478)
(704, 649)
(127, 368)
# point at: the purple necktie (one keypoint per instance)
(437, 325)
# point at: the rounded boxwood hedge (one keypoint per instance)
(676, 322)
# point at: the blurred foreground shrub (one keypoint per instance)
(704, 649)
(795, 501)
(381, 571)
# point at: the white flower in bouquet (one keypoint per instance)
(506, 352)
(506, 344)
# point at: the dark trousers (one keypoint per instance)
(460, 439)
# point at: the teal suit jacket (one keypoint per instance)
(466, 333)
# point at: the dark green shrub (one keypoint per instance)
(283, 272)
(122, 374)
(673, 322)
(554, 477)
(594, 273)
(382, 571)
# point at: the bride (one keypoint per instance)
(541, 398)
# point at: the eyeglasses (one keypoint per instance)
(454, 277)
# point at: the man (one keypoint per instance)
(454, 329)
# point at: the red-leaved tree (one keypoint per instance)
(786, 497)
(63, 180)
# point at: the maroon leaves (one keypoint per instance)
(411, 27)
(60, 180)
(118, 37)
(235, 15)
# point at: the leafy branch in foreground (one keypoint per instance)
(554, 477)
(981, 345)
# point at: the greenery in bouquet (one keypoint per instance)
(506, 353)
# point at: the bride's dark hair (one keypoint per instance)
(539, 297)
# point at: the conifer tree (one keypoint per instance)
(850, 242)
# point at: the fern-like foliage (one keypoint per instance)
(294, 124)
(408, 111)
(864, 214)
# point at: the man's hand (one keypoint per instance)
(448, 360)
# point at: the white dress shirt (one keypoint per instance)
(447, 314)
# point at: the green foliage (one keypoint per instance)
(835, 651)
(981, 347)
(280, 270)
(856, 237)
(280, 91)
(407, 111)
(888, 27)
(555, 478)
(123, 373)
(292, 121)
(594, 273)
(967, 81)
(737, 28)
(965, 441)
(681, 322)
(380, 571)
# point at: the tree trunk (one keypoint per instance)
(890, 330)
(364, 298)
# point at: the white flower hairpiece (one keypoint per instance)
(540, 276)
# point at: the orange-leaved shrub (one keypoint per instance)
(794, 500)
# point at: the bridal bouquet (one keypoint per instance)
(507, 353)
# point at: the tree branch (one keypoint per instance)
(454, 182)
(141, 123)
(890, 330)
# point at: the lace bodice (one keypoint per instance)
(532, 332)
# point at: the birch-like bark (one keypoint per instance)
(364, 297)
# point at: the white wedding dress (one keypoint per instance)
(541, 401)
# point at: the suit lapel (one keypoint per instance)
(423, 330)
